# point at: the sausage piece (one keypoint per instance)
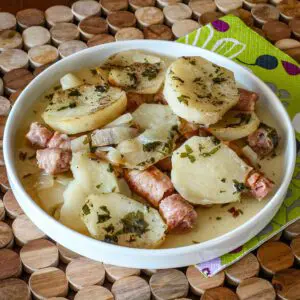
(178, 213)
(39, 135)
(247, 100)
(259, 185)
(151, 184)
(165, 164)
(60, 140)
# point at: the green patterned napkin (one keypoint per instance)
(230, 37)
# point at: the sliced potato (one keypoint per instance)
(80, 144)
(199, 91)
(84, 108)
(70, 81)
(206, 171)
(117, 219)
(235, 125)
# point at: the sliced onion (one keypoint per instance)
(114, 156)
(159, 134)
(80, 144)
(44, 181)
(251, 155)
(63, 179)
(129, 146)
(124, 188)
(123, 120)
(70, 81)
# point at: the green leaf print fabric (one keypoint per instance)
(230, 37)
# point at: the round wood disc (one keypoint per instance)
(199, 283)
(209, 17)
(219, 293)
(289, 10)
(109, 6)
(82, 272)
(175, 12)
(164, 3)
(40, 69)
(94, 292)
(42, 55)
(7, 21)
(30, 17)
(6, 235)
(63, 32)
(14, 289)
(202, 6)
(67, 48)
(184, 27)
(226, 6)
(276, 30)
(258, 31)
(3, 175)
(133, 288)
(147, 16)
(10, 39)
(114, 273)
(16, 79)
(149, 272)
(136, 4)
(158, 32)
(39, 254)
(285, 44)
(263, 13)
(274, 257)
(66, 255)
(48, 282)
(294, 53)
(1, 87)
(252, 3)
(244, 15)
(13, 59)
(100, 39)
(287, 284)
(277, 236)
(5, 106)
(295, 246)
(2, 211)
(292, 230)
(129, 33)
(35, 36)
(25, 231)
(169, 284)
(255, 288)
(120, 19)
(92, 26)
(85, 8)
(10, 264)
(58, 14)
(245, 268)
(295, 27)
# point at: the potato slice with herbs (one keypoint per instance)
(117, 219)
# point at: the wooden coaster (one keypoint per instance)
(48, 282)
(176, 12)
(13, 59)
(255, 288)
(42, 55)
(289, 10)
(295, 246)
(295, 27)
(225, 6)
(276, 30)
(67, 48)
(263, 13)
(5, 106)
(66, 255)
(199, 283)
(120, 19)
(3, 175)
(149, 272)
(136, 4)
(114, 273)
(183, 27)
(274, 257)
(82, 272)
(169, 284)
(10, 39)
(252, 3)
(294, 53)
(11, 205)
(158, 32)
(244, 15)
(91, 26)
(14, 289)
(94, 292)
(201, 7)
(246, 268)
(35, 36)
(2, 211)
(30, 17)
(1, 87)
(287, 284)
(292, 230)
(85, 8)
(39, 254)
(14, 96)
(100, 39)
(6, 235)
(129, 33)
(258, 31)
(147, 16)
(133, 288)
(63, 32)
(286, 44)
(10, 264)
(109, 6)
(58, 14)
(219, 293)
(7, 21)
(209, 17)
(25, 231)
(14, 80)
(277, 236)
(163, 3)
(40, 69)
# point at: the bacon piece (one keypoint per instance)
(60, 140)
(178, 213)
(53, 160)
(259, 185)
(165, 164)
(39, 135)
(151, 184)
(160, 98)
(247, 100)
(134, 100)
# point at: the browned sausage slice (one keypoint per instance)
(247, 100)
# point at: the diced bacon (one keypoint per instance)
(54, 160)
(247, 100)
(160, 98)
(178, 213)
(259, 185)
(188, 129)
(151, 184)
(134, 100)
(165, 164)
(60, 140)
(39, 135)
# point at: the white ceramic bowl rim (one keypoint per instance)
(114, 249)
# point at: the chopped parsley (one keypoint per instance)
(94, 72)
(109, 228)
(101, 88)
(74, 93)
(56, 88)
(71, 105)
(223, 179)
(183, 99)
(218, 218)
(50, 96)
(98, 185)
(218, 80)
(210, 153)
(243, 119)
(151, 146)
(222, 191)
(110, 168)
(150, 72)
(144, 163)
(111, 239)
(86, 210)
(134, 222)
(188, 154)
(103, 217)
(239, 186)
(177, 78)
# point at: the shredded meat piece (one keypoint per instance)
(247, 100)
(39, 135)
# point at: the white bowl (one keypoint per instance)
(143, 258)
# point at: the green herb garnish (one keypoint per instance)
(183, 99)
(151, 146)
(110, 168)
(86, 210)
(134, 222)
(74, 93)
